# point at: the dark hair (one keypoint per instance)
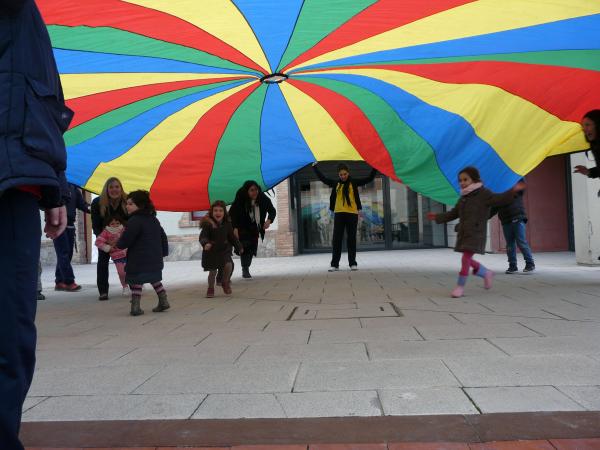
(594, 116)
(219, 204)
(109, 219)
(342, 166)
(242, 196)
(142, 200)
(473, 173)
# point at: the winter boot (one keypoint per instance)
(459, 290)
(135, 306)
(487, 276)
(246, 272)
(529, 268)
(163, 303)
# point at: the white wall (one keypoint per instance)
(586, 213)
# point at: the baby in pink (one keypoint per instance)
(107, 241)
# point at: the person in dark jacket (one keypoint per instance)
(110, 203)
(514, 219)
(591, 129)
(473, 212)
(252, 212)
(33, 158)
(64, 244)
(217, 240)
(344, 202)
(147, 245)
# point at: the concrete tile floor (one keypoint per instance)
(385, 340)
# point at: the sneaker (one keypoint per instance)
(333, 269)
(41, 296)
(458, 291)
(511, 270)
(126, 291)
(529, 268)
(487, 279)
(60, 287)
(246, 273)
(73, 287)
(103, 297)
(354, 267)
(210, 292)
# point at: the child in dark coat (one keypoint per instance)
(217, 239)
(146, 244)
(473, 212)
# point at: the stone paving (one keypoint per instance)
(297, 341)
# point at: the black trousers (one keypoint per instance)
(102, 271)
(63, 245)
(344, 222)
(20, 244)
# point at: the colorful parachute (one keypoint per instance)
(189, 98)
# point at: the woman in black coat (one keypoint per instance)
(252, 212)
(344, 202)
(110, 203)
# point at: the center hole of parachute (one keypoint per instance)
(274, 78)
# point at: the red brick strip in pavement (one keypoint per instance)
(556, 444)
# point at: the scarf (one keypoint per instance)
(345, 191)
(470, 188)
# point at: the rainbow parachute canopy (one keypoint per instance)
(189, 98)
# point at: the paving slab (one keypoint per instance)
(252, 378)
(364, 335)
(308, 324)
(305, 352)
(566, 345)
(588, 396)
(526, 370)
(521, 399)
(114, 407)
(355, 376)
(472, 331)
(432, 349)
(420, 401)
(330, 404)
(233, 406)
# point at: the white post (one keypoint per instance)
(586, 213)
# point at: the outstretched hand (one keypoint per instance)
(582, 170)
(431, 215)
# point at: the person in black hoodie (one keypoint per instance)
(252, 212)
(514, 219)
(591, 129)
(344, 202)
(64, 244)
(33, 118)
(147, 245)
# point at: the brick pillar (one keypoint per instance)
(286, 240)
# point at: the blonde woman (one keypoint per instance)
(110, 204)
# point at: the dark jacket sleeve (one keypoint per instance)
(11, 6)
(129, 236)
(447, 216)
(234, 214)
(97, 223)
(329, 182)
(205, 234)
(165, 242)
(594, 172)
(502, 199)
(271, 211)
(363, 181)
(81, 204)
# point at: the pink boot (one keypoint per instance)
(487, 279)
(458, 291)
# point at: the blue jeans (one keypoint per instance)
(19, 258)
(63, 245)
(514, 234)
